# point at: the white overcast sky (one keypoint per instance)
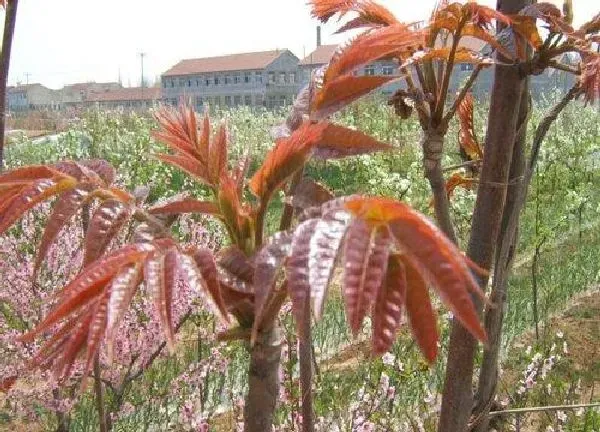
(65, 41)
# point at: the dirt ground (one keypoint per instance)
(580, 326)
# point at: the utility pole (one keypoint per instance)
(142, 55)
(27, 75)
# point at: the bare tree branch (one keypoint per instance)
(9, 31)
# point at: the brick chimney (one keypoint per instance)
(318, 36)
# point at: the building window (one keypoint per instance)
(227, 79)
(271, 77)
(272, 101)
(282, 77)
(387, 70)
(247, 100)
(164, 84)
(216, 80)
(370, 70)
(466, 67)
(197, 82)
(237, 100)
(207, 82)
(259, 77)
(237, 79)
(189, 83)
(292, 78)
(259, 100)
(199, 101)
(282, 100)
(228, 101)
(247, 77)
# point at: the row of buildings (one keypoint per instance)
(268, 79)
(36, 97)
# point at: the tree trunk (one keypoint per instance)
(432, 143)
(263, 382)
(457, 401)
(507, 243)
(9, 31)
(103, 426)
(305, 358)
(62, 419)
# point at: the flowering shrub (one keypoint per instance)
(22, 304)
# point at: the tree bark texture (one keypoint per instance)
(9, 31)
(457, 400)
(263, 382)
(103, 426)
(432, 143)
(507, 242)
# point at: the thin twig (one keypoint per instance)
(288, 211)
(159, 349)
(421, 78)
(420, 106)
(563, 67)
(441, 100)
(99, 395)
(544, 126)
(461, 95)
(462, 165)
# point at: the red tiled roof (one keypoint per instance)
(25, 87)
(323, 54)
(126, 94)
(87, 85)
(233, 62)
(320, 56)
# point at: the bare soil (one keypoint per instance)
(580, 326)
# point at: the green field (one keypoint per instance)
(557, 259)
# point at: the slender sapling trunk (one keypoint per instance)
(507, 243)
(432, 144)
(263, 382)
(9, 31)
(457, 401)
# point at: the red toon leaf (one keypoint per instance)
(288, 156)
(387, 311)
(365, 263)
(422, 317)
(187, 205)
